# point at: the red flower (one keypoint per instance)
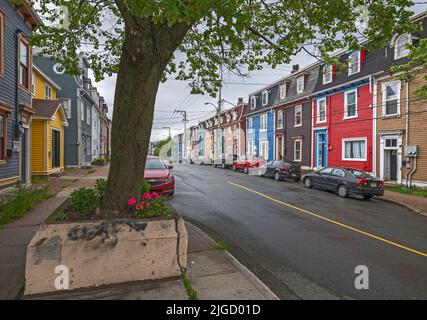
(132, 202)
(140, 206)
(146, 195)
(155, 195)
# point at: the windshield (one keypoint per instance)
(154, 164)
(359, 173)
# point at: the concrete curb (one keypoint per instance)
(404, 205)
(261, 286)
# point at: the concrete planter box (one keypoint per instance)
(105, 252)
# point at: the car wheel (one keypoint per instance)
(246, 170)
(367, 197)
(307, 183)
(342, 191)
(277, 176)
(234, 167)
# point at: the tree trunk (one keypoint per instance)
(146, 51)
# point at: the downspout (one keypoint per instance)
(16, 128)
(312, 140)
(374, 91)
(413, 167)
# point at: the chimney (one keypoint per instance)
(239, 101)
(295, 68)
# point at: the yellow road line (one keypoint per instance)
(330, 220)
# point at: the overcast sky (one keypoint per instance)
(175, 94)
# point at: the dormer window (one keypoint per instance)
(354, 63)
(401, 46)
(327, 73)
(253, 102)
(264, 97)
(300, 84)
(282, 91)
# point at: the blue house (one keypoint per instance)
(16, 23)
(260, 123)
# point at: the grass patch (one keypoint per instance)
(221, 245)
(192, 294)
(19, 201)
(419, 192)
(39, 179)
(61, 216)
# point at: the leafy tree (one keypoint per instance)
(145, 40)
(160, 144)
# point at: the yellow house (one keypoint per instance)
(47, 128)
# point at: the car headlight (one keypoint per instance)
(169, 179)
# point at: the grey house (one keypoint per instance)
(77, 103)
(16, 23)
(293, 114)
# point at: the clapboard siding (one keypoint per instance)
(8, 82)
(38, 148)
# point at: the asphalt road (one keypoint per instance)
(307, 243)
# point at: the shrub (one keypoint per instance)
(100, 187)
(98, 161)
(151, 205)
(19, 201)
(84, 200)
(146, 186)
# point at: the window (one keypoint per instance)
(48, 92)
(1, 42)
(66, 103)
(401, 47)
(354, 63)
(24, 63)
(298, 116)
(354, 149)
(350, 104)
(230, 133)
(250, 147)
(33, 84)
(88, 115)
(265, 98)
(58, 68)
(300, 84)
(321, 110)
(391, 143)
(282, 91)
(263, 149)
(326, 171)
(3, 138)
(264, 122)
(391, 99)
(250, 124)
(253, 102)
(297, 149)
(338, 173)
(327, 73)
(280, 119)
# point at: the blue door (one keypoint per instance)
(321, 155)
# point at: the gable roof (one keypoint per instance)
(46, 109)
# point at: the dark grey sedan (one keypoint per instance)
(279, 170)
(345, 181)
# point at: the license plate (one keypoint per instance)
(373, 184)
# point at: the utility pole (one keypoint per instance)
(184, 136)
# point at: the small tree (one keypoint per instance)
(144, 40)
(160, 144)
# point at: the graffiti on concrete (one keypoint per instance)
(49, 249)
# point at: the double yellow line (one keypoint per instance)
(330, 220)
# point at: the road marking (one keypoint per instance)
(330, 220)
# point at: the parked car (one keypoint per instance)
(279, 170)
(160, 176)
(345, 181)
(247, 163)
(203, 160)
(224, 160)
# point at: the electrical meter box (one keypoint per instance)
(411, 151)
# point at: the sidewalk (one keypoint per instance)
(414, 203)
(213, 273)
(15, 236)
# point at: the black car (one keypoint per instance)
(280, 170)
(345, 181)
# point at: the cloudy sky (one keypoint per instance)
(175, 94)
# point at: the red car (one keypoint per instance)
(247, 162)
(160, 176)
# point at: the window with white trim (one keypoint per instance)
(321, 111)
(47, 92)
(263, 122)
(391, 99)
(327, 73)
(354, 63)
(297, 149)
(401, 46)
(263, 149)
(350, 104)
(298, 116)
(264, 97)
(279, 119)
(282, 91)
(354, 149)
(230, 133)
(300, 84)
(250, 124)
(253, 102)
(250, 147)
